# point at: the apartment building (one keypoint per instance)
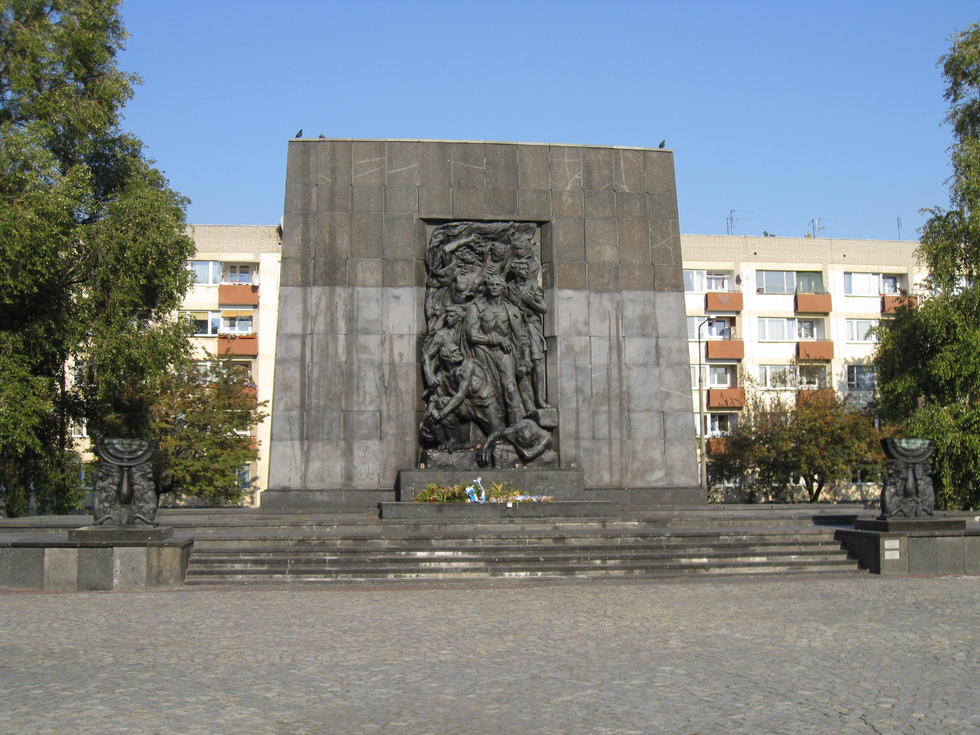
(779, 314)
(234, 305)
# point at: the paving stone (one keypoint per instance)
(789, 655)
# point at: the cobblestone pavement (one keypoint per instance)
(829, 655)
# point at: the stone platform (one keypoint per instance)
(939, 545)
(96, 558)
(495, 511)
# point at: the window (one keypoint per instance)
(812, 376)
(809, 329)
(862, 284)
(871, 284)
(788, 282)
(721, 327)
(891, 284)
(859, 330)
(781, 329)
(206, 323)
(82, 374)
(809, 282)
(720, 424)
(236, 324)
(777, 329)
(778, 376)
(694, 281)
(775, 281)
(206, 272)
(719, 280)
(692, 326)
(240, 272)
(861, 377)
(206, 368)
(721, 376)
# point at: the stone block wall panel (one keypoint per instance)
(357, 217)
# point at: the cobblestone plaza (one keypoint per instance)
(789, 655)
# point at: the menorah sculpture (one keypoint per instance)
(125, 494)
(907, 488)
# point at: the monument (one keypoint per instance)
(907, 489)
(907, 538)
(470, 307)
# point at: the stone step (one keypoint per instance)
(563, 537)
(385, 567)
(692, 570)
(421, 552)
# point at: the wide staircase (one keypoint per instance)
(350, 548)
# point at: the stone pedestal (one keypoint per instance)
(97, 558)
(914, 546)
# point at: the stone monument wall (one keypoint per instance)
(347, 400)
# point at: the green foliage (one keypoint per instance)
(202, 417)
(814, 443)
(92, 248)
(928, 356)
(436, 493)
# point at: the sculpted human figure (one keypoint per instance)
(496, 335)
(469, 270)
(497, 258)
(442, 275)
(473, 397)
(449, 334)
(529, 439)
(528, 296)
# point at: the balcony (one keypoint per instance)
(813, 303)
(816, 397)
(724, 349)
(239, 294)
(723, 301)
(243, 345)
(815, 350)
(716, 445)
(892, 303)
(726, 397)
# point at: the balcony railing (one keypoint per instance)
(239, 294)
(716, 445)
(822, 349)
(892, 303)
(723, 301)
(815, 396)
(238, 344)
(813, 303)
(724, 349)
(726, 397)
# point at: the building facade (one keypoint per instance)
(234, 305)
(782, 314)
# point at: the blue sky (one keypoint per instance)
(783, 111)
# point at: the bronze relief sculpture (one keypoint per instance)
(484, 353)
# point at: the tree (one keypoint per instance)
(203, 416)
(813, 443)
(92, 248)
(928, 356)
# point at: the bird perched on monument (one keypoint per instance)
(662, 143)
(299, 133)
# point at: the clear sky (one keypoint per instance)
(784, 111)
